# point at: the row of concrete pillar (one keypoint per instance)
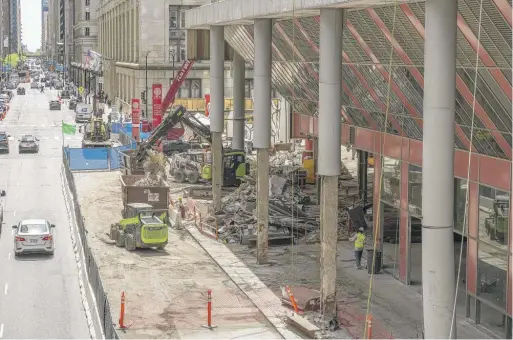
(438, 150)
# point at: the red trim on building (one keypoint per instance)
(471, 265)
(485, 58)
(493, 171)
(465, 91)
(461, 165)
(413, 70)
(314, 47)
(505, 8)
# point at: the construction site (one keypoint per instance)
(211, 234)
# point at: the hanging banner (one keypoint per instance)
(136, 119)
(207, 105)
(156, 99)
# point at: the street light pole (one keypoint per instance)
(146, 89)
(173, 56)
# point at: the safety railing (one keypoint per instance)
(102, 301)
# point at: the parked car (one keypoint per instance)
(9, 93)
(20, 90)
(55, 105)
(12, 86)
(5, 98)
(28, 143)
(34, 85)
(4, 142)
(33, 236)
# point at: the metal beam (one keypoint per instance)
(485, 58)
(310, 69)
(365, 113)
(413, 70)
(505, 8)
(384, 73)
(464, 90)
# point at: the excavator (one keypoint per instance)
(96, 134)
(190, 166)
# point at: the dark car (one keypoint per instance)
(48, 83)
(72, 104)
(4, 142)
(55, 105)
(11, 86)
(20, 90)
(58, 86)
(28, 143)
(65, 94)
(34, 85)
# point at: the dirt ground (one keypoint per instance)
(166, 291)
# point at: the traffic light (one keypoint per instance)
(143, 97)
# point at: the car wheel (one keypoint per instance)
(16, 254)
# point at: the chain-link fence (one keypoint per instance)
(107, 323)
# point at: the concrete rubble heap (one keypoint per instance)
(155, 170)
(291, 209)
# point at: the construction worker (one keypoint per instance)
(181, 207)
(359, 244)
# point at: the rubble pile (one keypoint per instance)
(155, 170)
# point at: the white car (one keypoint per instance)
(33, 236)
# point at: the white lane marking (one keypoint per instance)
(14, 213)
(6, 288)
(1, 330)
(9, 257)
(56, 137)
(12, 231)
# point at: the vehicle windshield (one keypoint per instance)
(27, 139)
(3, 137)
(34, 229)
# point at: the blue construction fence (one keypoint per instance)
(126, 129)
(83, 159)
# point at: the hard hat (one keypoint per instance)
(361, 229)
(180, 198)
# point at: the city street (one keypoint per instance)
(39, 294)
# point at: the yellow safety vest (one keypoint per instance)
(359, 243)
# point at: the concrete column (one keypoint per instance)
(127, 33)
(217, 109)
(438, 280)
(262, 130)
(330, 103)
(239, 110)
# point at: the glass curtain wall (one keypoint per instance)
(415, 190)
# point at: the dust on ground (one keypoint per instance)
(166, 291)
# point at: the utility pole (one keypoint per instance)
(146, 89)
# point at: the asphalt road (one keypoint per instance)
(39, 295)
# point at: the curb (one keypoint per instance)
(82, 274)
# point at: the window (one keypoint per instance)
(182, 19)
(172, 51)
(87, 2)
(87, 31)
(87, 15)
(191, 88)
(495, 321)
(391, 191)
(493, 217)
(248, 91)
(415, 190)
(173, 17)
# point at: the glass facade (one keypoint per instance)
(391, 190)
(415, 190)
(460, 193)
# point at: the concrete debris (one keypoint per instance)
(155, 170)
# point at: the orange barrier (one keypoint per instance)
(292, 299)
(211, 231)
(122, 312)
(369, 327)
(209, 311)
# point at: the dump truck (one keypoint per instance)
(155, 195)
(142, 227)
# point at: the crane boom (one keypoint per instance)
(177, 82)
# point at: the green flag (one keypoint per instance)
(68, 129)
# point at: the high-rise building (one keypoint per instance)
(14, 27)
(44, 26)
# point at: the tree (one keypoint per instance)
(12, 59)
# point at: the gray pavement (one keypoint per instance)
(39, 295)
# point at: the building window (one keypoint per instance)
(183, 50)
(415, 190)
(391, 190)
(87, 2)
(494, 217)
(173, 17)
(460, 195)
(191, 88)
(182, 19)
(87, 31)
(248, 91)
(87, 15)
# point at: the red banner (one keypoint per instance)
(207, 105)
(136, 118)
(156, 99)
